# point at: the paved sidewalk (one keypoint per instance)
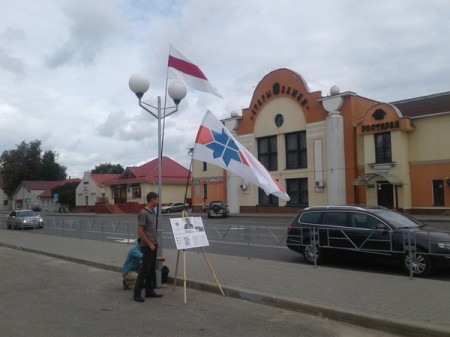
(398, 304)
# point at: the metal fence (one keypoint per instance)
(114, 229)
(101, 228)
(403, 244)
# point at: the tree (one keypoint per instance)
(108, 168)
(26, 163)
(66, 193)
(50, 169)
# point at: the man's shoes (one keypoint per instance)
(125, 285)
(153, 294)
(138, 299)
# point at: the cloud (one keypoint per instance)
(93, 25)
(64, 70)
(118, 124)
(9, 62)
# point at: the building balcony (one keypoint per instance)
(382, 167)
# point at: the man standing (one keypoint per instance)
(149, 244)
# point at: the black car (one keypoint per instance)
(368, 230)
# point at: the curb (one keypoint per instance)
(379, 324)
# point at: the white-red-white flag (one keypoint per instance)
(180, 67)
(216, 145)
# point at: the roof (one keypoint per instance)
(172, 172)
(45, 186)
(364, 180)
(425, 105)
(100, 178)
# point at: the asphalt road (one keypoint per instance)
(261, 237)
(239, 236)
(44, 296)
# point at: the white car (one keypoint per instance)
(174, 207)
(24, 219)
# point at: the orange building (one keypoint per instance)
(336, 149)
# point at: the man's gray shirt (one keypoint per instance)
(147, 220)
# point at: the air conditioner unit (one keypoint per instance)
(319, 184)
(244, 187)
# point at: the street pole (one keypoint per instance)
(159, 230)
(177, 91)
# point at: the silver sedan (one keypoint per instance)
(24, 219)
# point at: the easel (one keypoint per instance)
(184, 215)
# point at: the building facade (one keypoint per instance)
(92, 189)
(5, 201)
(336, 149)
(37, 195)
(126, 192)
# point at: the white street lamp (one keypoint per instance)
(177, 91)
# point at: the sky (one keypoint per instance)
(65, 65)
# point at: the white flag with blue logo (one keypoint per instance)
(216, 145)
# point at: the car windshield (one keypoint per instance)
(399, 220)
(25, 214)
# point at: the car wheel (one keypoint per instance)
(418, 263)
(312, 252)
(216, 208)
(209, 215)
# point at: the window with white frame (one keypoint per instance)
(136, 192)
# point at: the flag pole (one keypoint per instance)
(165, 106)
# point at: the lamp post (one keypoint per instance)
(177, 91)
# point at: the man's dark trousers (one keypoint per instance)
(147, 272)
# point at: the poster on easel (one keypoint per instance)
(189, 232)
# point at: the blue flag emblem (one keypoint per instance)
(225, 147)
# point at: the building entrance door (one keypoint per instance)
(120, 195)
(385, 194)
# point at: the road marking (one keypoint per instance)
(246, 244)
(60, 229)
(121, 240)
(105, 232)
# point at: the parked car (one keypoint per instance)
(174, 207)
(368, 230)
(23, 219)
(218, 209)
